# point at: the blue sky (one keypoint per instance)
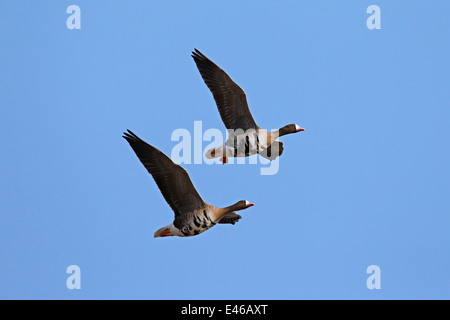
(366, 184)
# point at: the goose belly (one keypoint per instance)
(199, 223)
(244, 145)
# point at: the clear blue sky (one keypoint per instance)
(367, 183)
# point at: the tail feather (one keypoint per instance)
(162, 232)
(214, 153)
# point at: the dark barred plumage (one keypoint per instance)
(244, 144)
(232, 104)
(192, 215)
(199, 222)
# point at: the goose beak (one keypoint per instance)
(298, 128)
(248, 204)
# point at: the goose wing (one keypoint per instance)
(230, 98)
(230, 218)
(171, 179)
(273, 151)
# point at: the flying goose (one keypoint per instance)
(245, 136)
(192, 215)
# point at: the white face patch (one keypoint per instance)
(297, 127)
(247, 203)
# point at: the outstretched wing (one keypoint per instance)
(273, 151)
(230, 98)
(172, 180)
(230, 218)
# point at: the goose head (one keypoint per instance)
(247, 204)
(290, 128)
(241, 205)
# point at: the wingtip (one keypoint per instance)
(130, 136)
(197, 55)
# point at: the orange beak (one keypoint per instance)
(300, 129)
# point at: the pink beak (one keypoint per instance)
(300, 129)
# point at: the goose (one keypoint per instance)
(192, 215)
(245, 138)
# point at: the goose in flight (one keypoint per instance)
(245, 138)
(192, 215)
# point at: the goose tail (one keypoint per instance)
(214, 153)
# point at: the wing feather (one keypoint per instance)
(230, 98)
(172, 180)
